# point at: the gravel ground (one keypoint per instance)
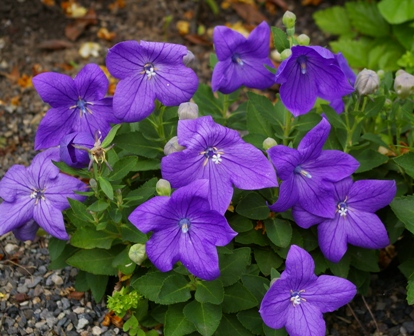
(36, 301)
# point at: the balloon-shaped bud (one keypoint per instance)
(188, 110)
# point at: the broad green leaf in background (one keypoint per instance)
(237, 298)
(230, 325)
(266, 260)
(95, 261)
(205, 316)
(410, 292)
(111, 135)
(404, 34)
(150, 284)
(106, 187)
(89, 238)
(403, 208)
(356, 52)
(97, 284)
(341, 268)
(174, 289)
(56, 247)
(383, 53)
(253, 206)
(256, 285)
(210, 291)
(366, 18)
(363, 259)
(233, 265)
(122, 168)
(251, 320)
(136, 143)
(176, 324)
(279, 231)
(333, 20)
(368, 159)
(406, 162)
(397, 11)
(280, 40)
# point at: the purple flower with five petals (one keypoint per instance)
(149, 71)
(78, 105)
(40, 193)
(219, 154)
(310, 72)
(242, 61)
(352, 218)
(185, 229)
(298, 298)
(308, 172)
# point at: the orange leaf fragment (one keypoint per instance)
(117, 4)
(25, 81)
(311, 2)
(49, 3)
(76, 295)
(104, 34)
(183, 27)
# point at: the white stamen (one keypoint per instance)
(184, 228)
(343, 212)
(150, 73)
(216, 158)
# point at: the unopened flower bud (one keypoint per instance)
(285, 54)
(137, 253)
(172, 146)
(381, 74)
(303, 40)
(290, 31)
(187, 111)
(367, 82)
(269, 143)
(163, 187)
(275, 55)
(289, 19)
(404, 84)
(93, 184)
(189, 59)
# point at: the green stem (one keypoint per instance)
(288, 127)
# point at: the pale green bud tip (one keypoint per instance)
(275, 55)
(367, 82)
(137, 253)
(269, 143)
(289, 19)
(404, 84)
(163, 187)
(188, 110)
(93, 183)
(381, 74)
(303, 40)
(285, 54)
(172, 146)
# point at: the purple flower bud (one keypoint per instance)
(367, 82)
(187, 111)
(73, 149)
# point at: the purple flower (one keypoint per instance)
(26, 231)
(38, 192)
(242, 61)
(352, 218)
(185, 229)
(78, 105)
(218, 154)
(308, 172)
(149, 71)
(72, 156)
(298, 298)
(310, 72)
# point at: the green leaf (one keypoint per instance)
(56, 247)
(97, 284)
(89, 238)
(251, 320)
(256, 285)
(266, 260)
(280, 40)
(404, 34)
(106, 187)
(150, 284)
(136, 143)
(407, 268)
(253, 206)
(238, 298)
(333, 20)
(403, 208)
(383, 53)
(131, 234)
(333, 117)
(341, 268)
(80, 211)
(356, 52)
(274, 332)
(210, 291)
(123, 263)
(71, 171)
(111, 135)
(230, 325)
(144, 192)
(240, 223)
(176, 324)
(233, 265)
(279, 231)
(368, 159)
(60, 261)
(364, 260)
(174, 289)
(366, 18)
(122, 168)
(252, 237)
(397, 11)
(98, 206)
(95, 261)
(256, 122)
(410, 292)
(406, 162)
(205, 316)
(147, 164)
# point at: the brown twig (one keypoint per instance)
(357, 319)
(370, 313)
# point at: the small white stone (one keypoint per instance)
(11, 248)
(79, 310)
(82, 323)
(57, 280)
(96, 330)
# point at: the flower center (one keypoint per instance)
(342, 208)
(38, 194)
(304, 173)
(184, 224)
(214, 154)
(236, 59)
(149, 70)
(296, 297)
(302, 60)
(82, 105)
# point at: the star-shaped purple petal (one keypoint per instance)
(242, 61)
(298, 299)
(216, 153)
(310, 72)
(149, 71)
(308, 172)
(78, 105)
(184, 229)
